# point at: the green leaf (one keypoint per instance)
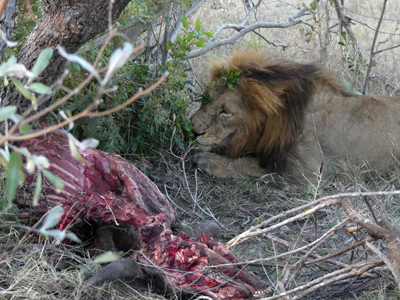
(314, 5)
(40, 88)
(40, 161)
(42, 61)
(180, 143)
(27, 94)
(38, 189)
(15, 118)
(14, 175)
(108, 257)
(52, 218)
(5, 65)
(25, 129)
(7, 112)
(72, 237)
(185, 22)
(54, 179)
(82, 62)
(59, 235)
(74, 150)
(4, 155)
(199, 44)
(117, 60)
(198, 26)
(209, 34)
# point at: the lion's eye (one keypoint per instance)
(224, 113)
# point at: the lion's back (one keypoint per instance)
(361, 129)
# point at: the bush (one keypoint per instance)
(158, 120)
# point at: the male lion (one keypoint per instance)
(297, 120)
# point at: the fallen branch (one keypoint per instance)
(382, 229)
(311, 206)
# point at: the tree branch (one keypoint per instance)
(387, 262)
(345, 22)
(373, 53)
(243, 30)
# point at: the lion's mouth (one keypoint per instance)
(212, 143)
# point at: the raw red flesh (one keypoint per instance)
(110, 190)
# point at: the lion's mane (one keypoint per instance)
(277, 92)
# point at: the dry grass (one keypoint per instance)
(37, 272)
(320, 45)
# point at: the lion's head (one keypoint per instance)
(262, 112)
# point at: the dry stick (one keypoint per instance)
(370, 27)
(326, 234)
(344, 21)
(387, 262)
(131, 100)
(387, 49)
(30, 229)
(387, 224)
(30, 10)
(293, 269)
(256, 230)
(350, 271)
(297, 266)
(317, 257)
(327, 257)
(385, 230)
(385, 219)
(360, 271)
(59, 102)
(251, 232)
(88, 113)
(372, 53)
(243, 30)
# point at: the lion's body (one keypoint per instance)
(292, 119)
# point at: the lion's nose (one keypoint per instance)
(197, 134)
(197, 128)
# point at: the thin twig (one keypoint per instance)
(243, 30)
(351, 271)
(372, 52)
(257, 230)
(344, 250)
(387, 262)
(252, 233)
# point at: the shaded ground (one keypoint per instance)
(44, 272)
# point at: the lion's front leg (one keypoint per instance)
(223, 167)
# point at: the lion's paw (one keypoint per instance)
(214, 164)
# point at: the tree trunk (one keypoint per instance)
(69, 24)
(7, 22)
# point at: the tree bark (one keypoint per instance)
(69, 24)
(7, 22)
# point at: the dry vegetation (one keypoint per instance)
(42, 272)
